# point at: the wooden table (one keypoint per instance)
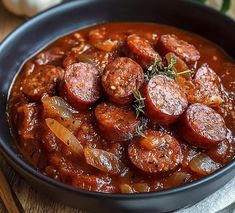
(31, 201)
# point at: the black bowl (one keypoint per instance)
(46, 27)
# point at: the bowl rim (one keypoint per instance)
(18, 162)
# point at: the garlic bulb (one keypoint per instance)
(28, 7)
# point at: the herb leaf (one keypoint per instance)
(153, 70)
(138, 103)
(225, 6)
(157, 68)
(139, 131)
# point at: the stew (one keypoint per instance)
(126, 108)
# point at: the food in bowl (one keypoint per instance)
(126, 108)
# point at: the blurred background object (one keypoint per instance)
(32, 7)
(225, 6)
(28, 7)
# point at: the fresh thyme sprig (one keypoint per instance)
(153, 70)
(157, 68)
(139, 131)
(138, 103)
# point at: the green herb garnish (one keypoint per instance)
(138, 103)
(139, 131)
(157, 68)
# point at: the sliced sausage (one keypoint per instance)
(42, 81)
(202, 126)
(139, 49)
(207, 87)
(164, 100)
(81, 86)
(158, 152)
(120, 78)
(116, 123)
(171, 43)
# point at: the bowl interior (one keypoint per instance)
(48, 26)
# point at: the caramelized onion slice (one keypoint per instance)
(176, 179)
(203, 165)
(103, 160)
(64, 135)
(179, 66)
(125, 188)
(57, 107)
(107, 45)
(141, 187)
(73, 124)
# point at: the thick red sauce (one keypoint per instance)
(107, 154)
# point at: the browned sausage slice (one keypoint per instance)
(120, 78)
(157, 153)
(81, 86)
(207, 87)
(116, 123)
(41, 81)
(171, 43)
(164, 100)
(202, 126)
(140, 50)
